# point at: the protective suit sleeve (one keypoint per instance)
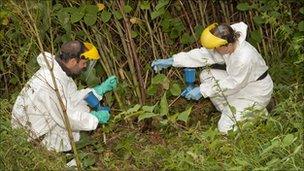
(195, 58)
(237, 78)
(79, 116)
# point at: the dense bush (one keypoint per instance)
(129, 35)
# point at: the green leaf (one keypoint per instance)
(14, 80)
(242, 162)
(274, 143)
(187, 39)
(105, 16)
(301, 10)
(184, 116)
(93, 9)
(76, 14)
(146, 115)
(148, 108)
(178, 28)
(259, 20)
(145, 5)
(152, 89)
(243, 6)
(164, 122)
(175, 89)
(198, 30)
(134, 34)
(117, 15)
(158, 79)
(164, 110)
(256, 36)
(166, 23)
(272, 162)
(127, 8)
(89, 160)
(301, 26)
(90, 77)
(288, 139)
(57, 7)
(172, 118)
(133, 109)
(90, 16)
(233, 109)
(157, 13)
(63, 17)
(90, 19)
(137, 113)
(1, 65)
(297, 149)
(161, 79)
(161, 4)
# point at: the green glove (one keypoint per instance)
(106, 86)
(103, 116)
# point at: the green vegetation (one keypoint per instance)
(129, 35)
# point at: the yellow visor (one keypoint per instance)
(209, 41)
(91, 52)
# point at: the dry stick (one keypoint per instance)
(193, 13)
(106, 67)
(132, 48)
(188, 21)
(202, 9)
(151, 35)
(65, 115)
(252, 25)
(224, 11)
(214, 13)
(174, 101)
(99, 44)
(129, 58)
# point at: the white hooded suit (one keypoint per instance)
(238, 83)
(37, 107)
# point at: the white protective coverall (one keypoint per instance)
(238, 83)
(37, 107)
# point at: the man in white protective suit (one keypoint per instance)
(234, 77)
(38, 109)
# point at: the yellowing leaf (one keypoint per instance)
(100, 6)
(5, 21)
(135, 20)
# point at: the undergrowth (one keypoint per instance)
(273, 142)
(16, 153)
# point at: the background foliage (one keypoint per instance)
(129, 35)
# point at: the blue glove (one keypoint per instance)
(160, 64)
(106, 86)
(194, 94)
(186, 91)
(103, 116)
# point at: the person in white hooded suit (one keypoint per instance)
(39, 110)
(234, 77)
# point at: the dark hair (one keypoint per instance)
(225, 31)
(70, 50)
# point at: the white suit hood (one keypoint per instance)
(241, 28)
(41, 60)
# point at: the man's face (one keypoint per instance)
(77, 66)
